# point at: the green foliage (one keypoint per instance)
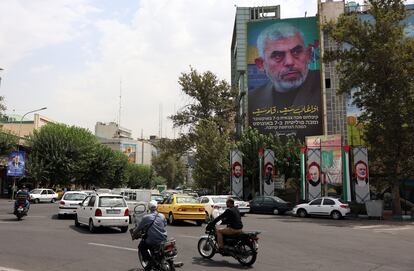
(168, 164)
(139, 176)
(210, 98)
(377, 61)
(286, 155)
(212, 157)
(8, 142)
(62, 155)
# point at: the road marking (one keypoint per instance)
(110, 246)
(368, 227)
(35, 216)
(6, 222)
(394, 229)
(8, 269)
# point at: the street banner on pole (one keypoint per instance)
(361, 174)
(331, 153)
(313, 176)
(236, 173)
(15, 164)
(302, 174)
(269, 173)
(346, 175)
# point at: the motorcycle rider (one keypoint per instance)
(154, 224)
(232, 218)
(22, 197)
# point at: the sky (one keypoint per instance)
(75, 57)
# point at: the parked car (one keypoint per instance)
(182, 207)
(269, 205)
(43, 195)
(213, 205)
(103, 210)
(243, 206)
(70, 202)
(325, 206)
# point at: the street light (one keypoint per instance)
(18, 142)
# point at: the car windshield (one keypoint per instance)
(74, 196)
(219, 200)
(36, 191)
(157, 197)
(277, 199)
(186, 200)
(111, 202)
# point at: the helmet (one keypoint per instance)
(152, 205)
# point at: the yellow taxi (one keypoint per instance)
(182, 207)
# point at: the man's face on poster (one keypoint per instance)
(314, 173)
(361, 171)
(237, 172)
(285, 62)
(269, 170)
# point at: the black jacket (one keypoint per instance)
(231, 217)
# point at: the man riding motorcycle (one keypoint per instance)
(232, 218)
(22, 198)
(154, 225)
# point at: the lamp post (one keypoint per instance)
(18, 142)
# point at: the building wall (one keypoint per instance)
(111, 130)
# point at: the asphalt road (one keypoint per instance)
(42, 242)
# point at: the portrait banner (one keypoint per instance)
(15, 164)
(360, 174)
(283, 77)
(313, 175)
(269, 173)
(236, 160)
(331, 162)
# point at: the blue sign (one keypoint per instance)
(15, 164)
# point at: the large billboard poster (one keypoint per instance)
(130, 150)
(283, 75)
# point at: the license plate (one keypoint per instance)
(20, 209)
(113, 211)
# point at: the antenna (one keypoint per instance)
(120, 102)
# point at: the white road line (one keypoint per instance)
(394, 229)
(189, 236)
(6, 222)
(110, 246)
(368, 227)
(8, 269)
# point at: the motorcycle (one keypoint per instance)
(20, 211)
(162, 256)
(243, 247)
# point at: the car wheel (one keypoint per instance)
(199, 222)
(92, 228)
(275, 211)
(336, 215)
(171, 219)
(77, 224)
(60, 216)
(124, 229)
(36, 201)
(53, 200)
(302, 213)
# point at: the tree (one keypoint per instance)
(8, 142)
(168, 164)
(376, 60)
(3, 107)
(210, 98)
(139, 176)
(212, 157)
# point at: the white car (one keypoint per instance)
(214, 205)
(324, 206)
(43, 195)
(243, 206)
(69, 202)
(103, 210)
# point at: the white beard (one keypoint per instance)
(285, 86)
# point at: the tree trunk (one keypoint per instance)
(396, 203)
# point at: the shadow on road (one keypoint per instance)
(184, 223)
(12, 218)
(105, 230)
(217, 263)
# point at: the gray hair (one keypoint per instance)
(276, 32)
